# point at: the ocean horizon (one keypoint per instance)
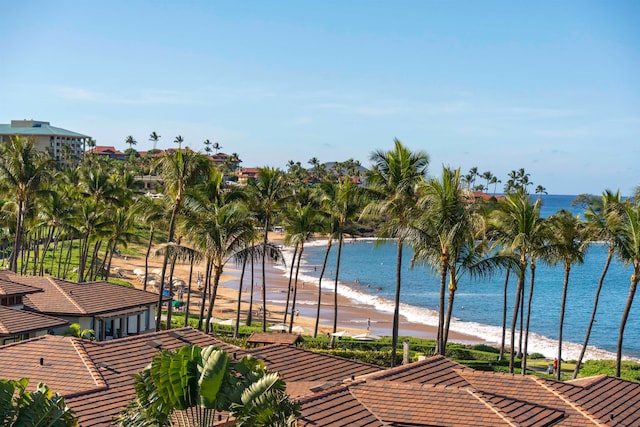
(367, 276)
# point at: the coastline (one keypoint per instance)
(354, 311)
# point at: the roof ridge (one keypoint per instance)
(366, 406)
(67, 295)
(497, 411)
(88, 362)
(570, 403)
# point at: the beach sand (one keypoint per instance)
(352, 317)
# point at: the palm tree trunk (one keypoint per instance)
(170, 306)
(250, 313)
(504, 313)
(567, 270)
(186, 309)
(444, 265)
(593, 312)
(293, 263)
(172, 226)
(82, 259)
(17, 240)
(212, 298)
(45, 249)
(53, 252)
(236, 330)
(453, 286)
(295, 288)
(146, 258)
(625, 314)
(335, 289)
(521, 336)
(514, 319)
(264, 275)
(324, 265)
(36, 253)
(203, 303)
(108, 269)
(67, 262)
(526, 332)
(396, 310)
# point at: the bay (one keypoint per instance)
(367, 274)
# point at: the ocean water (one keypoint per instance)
(367, 275)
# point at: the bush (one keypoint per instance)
(535, 356)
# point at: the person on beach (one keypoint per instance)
(555, 365)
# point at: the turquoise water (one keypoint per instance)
(368, 272)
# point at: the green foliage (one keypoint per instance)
(535, 356)
(75, 330)
(39, 408)
(629, 371)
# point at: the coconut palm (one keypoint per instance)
(180, 171)
(131, 141)
(179, 140)
(393, 185)
(152, 212)
(192, 385)
(447, 224)
(602, 216)
(216, 146)
(519, 232)
(154, 137)
(628, 250)
(268, 191)
(567, 245)
(23, 169)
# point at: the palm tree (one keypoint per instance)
(567, 244)
(131, 141)
(153, 213)
(628, 249)
(179, 171)
(192, 385)
(393, 184)
(268, 191)
(446, 226)
(541, 190)
(179, 140)
(216, 146)
(519, 232)
(602, 216)
(207, 146)
(24, 169)
(154, 137)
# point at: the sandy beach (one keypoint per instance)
(352, 317)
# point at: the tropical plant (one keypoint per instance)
(75, 330)
(190, 386)
(23, 169)
(602, 216)
(268, 192)
(628, 250)
(39, 408)
(567, 245)
(154, 137)
(393, 185)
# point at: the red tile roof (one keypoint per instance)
(272, 338)
(61, 297)
(14, 322)
(9, 287)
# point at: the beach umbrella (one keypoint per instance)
(138, 272)
(341, 334)
(366, 337)
(279, 327)
(157, 271)
(301, 330)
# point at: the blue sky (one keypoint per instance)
(552, 87)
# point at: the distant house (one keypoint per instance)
(484, 197)
(107, 151)
(111, 310)
(48, 139)
(231, 160)
(247, 174)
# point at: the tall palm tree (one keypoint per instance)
(567, 244)
(628, 249)
(602, 216)
(268, 191)
(180, 171)
(131, 141)
(216, 146)
(519, 232)
(393, 185)
(179, 140)
(446, 225)
(154, 137)
(23, 169)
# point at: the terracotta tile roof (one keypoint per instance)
(436, 370)
(612, 401)
(105, 150)
(60, 297)
(9, 287)
(13, 321)
(272, 338)
(303, 370)
(335, 408)
(64, 367)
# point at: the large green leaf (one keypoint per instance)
(212, 371)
